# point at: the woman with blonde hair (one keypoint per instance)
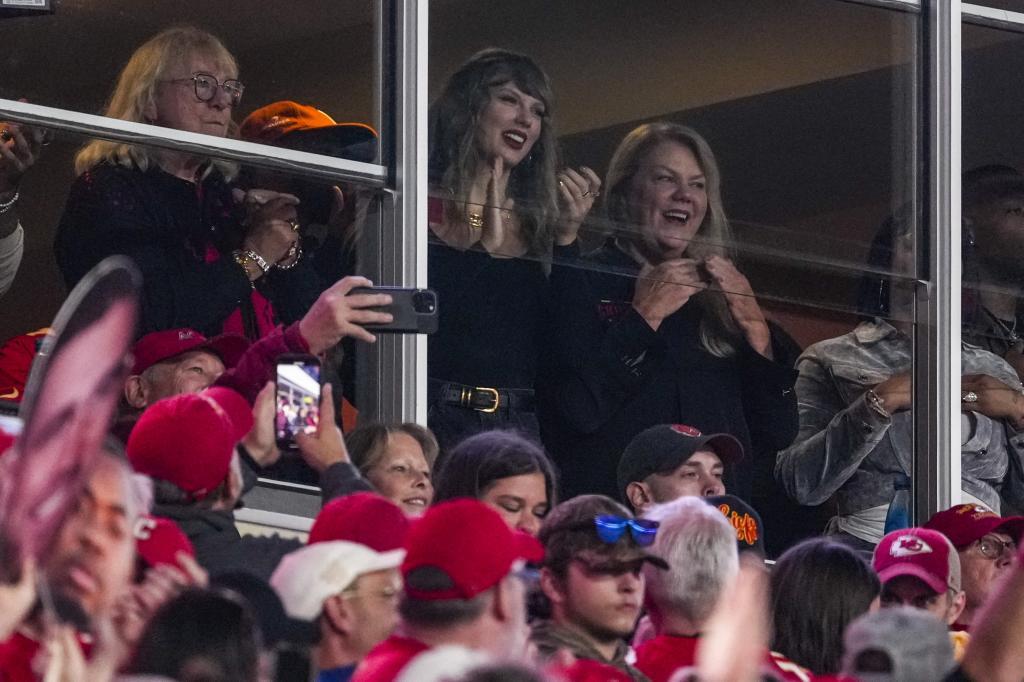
(500, 206)
(658, 326)
(210, 260)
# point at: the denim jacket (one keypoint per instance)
(845, 448)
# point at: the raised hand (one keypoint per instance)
(19, 150)
(665, 288)
(992, 398)
(327, 445)
(742, 303)
(271, 223)
(337, 314)
(577, 190)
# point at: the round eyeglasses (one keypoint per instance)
(994, 548)
(206, 87)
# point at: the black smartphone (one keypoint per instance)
(414, 310)
(298, 398)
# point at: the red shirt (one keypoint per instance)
(16, 656)
(662, 656)
(386, 660)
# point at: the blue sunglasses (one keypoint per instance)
(610, 529)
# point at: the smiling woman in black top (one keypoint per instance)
(498, 207)
(658, 326)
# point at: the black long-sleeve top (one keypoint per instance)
(609, 375)
(170, 227)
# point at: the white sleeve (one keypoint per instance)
(11, 249)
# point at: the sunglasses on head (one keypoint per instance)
(610, 528)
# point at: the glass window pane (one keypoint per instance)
(816, 148)
(316, 52)
(993, 204)
(187, 238)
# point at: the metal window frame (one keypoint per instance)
(250, 153)
(936, 468)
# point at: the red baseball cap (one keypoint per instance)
(920, 552)
(363, 518)
(967, 523)
(467, 541)
(159, 540)
(159, 346)
(307, 129)
(189, 439)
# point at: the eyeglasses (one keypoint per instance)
(206, 87)
(993, 548)
(610, 528)
(387, 593)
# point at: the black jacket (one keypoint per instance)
(610, 376)
(169, 226)
(220, 548)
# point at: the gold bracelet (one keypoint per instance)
(476, 220)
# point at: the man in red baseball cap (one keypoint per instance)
(919, 567)
(986, 544)
(186, 445)
(460, 588)
(176, 361)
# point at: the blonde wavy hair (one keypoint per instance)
(136, 87)
(719, 333)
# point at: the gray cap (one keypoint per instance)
(897, 644)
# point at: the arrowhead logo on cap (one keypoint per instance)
(686, 430)
(909, 545)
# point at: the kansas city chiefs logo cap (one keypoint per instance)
(686, 430)
(909, 545)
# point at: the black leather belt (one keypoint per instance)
(485, 399)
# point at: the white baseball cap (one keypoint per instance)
(307, 577)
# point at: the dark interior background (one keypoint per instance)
(810, 106)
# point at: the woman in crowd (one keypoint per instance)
(659, 327)
(818, 588)
(494, 219)
(856, 430)
(210, 260)
(397, 460)
(504, 470)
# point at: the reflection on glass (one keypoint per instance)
(816, 149)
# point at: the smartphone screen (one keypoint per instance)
(298, 398)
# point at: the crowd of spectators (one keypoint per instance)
(577, 507)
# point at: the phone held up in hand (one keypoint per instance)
(297, 398)
(414, 310)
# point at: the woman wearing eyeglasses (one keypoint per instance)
(210, 260)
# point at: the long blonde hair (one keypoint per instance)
(136, 91)
(719, 333)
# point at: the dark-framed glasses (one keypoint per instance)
(993, 548)
(206, 87)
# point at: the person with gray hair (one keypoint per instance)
(699, 545)
(902, 643)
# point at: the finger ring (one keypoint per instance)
(970, 397)
(294, 224)
(587, 193)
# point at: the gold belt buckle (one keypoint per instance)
(493, 392)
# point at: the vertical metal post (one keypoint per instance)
(937, 332)
(401, 390)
